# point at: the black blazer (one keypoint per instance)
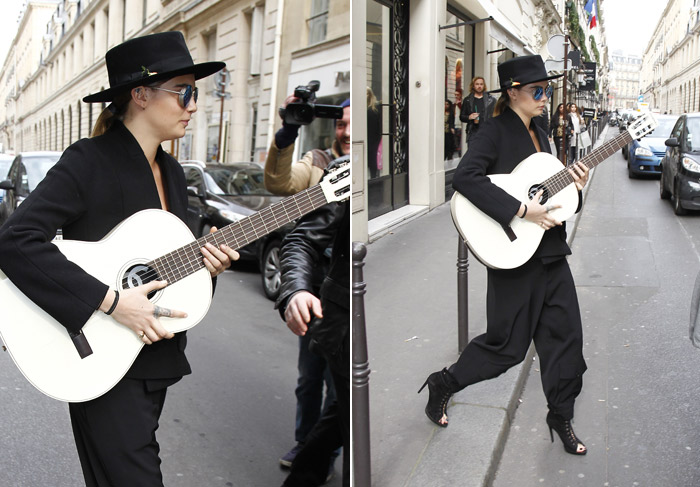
(96, 184)
(501, 144)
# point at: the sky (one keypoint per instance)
(8, 25)
(629, 24)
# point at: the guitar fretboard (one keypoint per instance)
(563, 178)
(186, 260)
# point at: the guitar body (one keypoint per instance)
(42, 348)
(487, 240)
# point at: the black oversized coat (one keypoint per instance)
(501, 144)
(96, 184)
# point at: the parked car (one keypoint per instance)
(645, 154)
(680, 167)
(25, 173)
(220, 194)
(5, 162)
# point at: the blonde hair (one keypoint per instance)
(371, 100)
(502, 103)
(112, 112)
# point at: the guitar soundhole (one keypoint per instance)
(138, 275)
(535, 189)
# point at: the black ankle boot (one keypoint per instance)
(566, 433)
(441, 386)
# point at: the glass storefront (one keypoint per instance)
(387, 106)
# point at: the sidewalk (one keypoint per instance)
(411, 313)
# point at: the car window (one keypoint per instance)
(664, 128)
(236, 181)
(4, 169)
(33, 170)
(692, 135)
(194, 177)
(678, 129)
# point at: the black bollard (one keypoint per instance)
(362, 468)
(462, 295)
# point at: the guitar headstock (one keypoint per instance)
(336, 184)
(643, 125)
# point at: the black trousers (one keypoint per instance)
(537, 302)
(116, 436)
(310, 467)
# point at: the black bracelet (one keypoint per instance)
(524, 213)
(114, 303)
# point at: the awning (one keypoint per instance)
(501, 29)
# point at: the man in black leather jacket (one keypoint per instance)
(330, 336)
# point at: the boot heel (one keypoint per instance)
(423, 386)
(551, 435)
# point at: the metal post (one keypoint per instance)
(462, 295)
(564, 149)
(362, 471)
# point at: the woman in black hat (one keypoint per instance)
(536, 301)
(97, 183)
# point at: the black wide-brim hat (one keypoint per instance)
(145, 60)
(522, 70)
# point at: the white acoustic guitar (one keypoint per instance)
(510, 247)
(149, 245)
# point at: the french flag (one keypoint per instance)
(592, 10)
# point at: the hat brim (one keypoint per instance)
(200, 71)
(504, 88)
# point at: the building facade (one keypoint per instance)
(624, 80)
(670, 75)
(415, 66)
(57, 58)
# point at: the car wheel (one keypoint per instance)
(664, 194)
(677, 208)
(271, 273)
(624, 152)
(630, 173)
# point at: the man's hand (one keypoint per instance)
(298, 312)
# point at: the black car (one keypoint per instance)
(220, 194)
(5, 162)
(26, 171)
(680, 167)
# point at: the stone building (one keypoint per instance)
(670, 75)
(57, 58)
(624, 80)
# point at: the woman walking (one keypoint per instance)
(97, 183)
(536, 301)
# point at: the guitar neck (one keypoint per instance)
(563, 178)
(186, 260)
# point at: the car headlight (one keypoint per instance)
(231, 215)
(641, 151)
(690, 164)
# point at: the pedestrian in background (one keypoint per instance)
(559, 127)
(536, 301)
(477, 107)
(97, 183)
(577, 125)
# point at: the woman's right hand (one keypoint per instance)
(137, 313)
(539, 214)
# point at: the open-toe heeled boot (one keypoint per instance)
(441, 386)
(566, 432)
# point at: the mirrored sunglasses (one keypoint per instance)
(538, 91)
(185, 94)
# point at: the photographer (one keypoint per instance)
(282, 176)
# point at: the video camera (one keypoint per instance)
(303, 111)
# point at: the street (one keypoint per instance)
(634, 263)
(227, 424)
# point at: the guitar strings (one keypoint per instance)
(181, 262)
